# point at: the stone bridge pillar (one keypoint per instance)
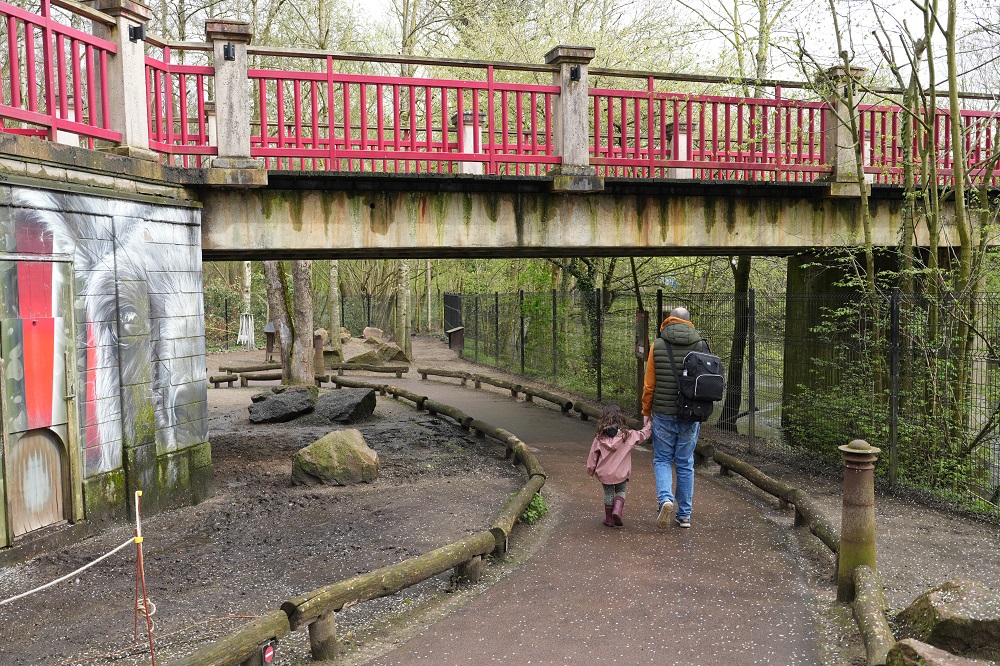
(840, 149)
(125, 69)
(571, 132)
(233, 165)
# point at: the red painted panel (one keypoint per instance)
(39, 365)
(92, 436)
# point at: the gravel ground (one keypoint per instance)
(259, 540)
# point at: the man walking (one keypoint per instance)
(673, 439)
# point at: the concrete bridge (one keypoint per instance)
(109, 201)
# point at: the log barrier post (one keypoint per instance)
(857, 530)
(323, 637)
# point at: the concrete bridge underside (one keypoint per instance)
(336, 216)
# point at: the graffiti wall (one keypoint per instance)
(103, 337)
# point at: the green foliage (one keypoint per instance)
(535, 510)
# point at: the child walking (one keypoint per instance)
(610, 459)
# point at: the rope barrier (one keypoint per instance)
(67, 576)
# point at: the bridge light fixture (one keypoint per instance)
(574, 73)
(137, 33)
(229, 51)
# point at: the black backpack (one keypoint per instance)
(700, 384)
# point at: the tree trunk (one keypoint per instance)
(292, 314)
(402, 325)
(335, 315)
(741, 324)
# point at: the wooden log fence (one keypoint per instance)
(316, 610)
(398, 370)
(272, 375)
(215, 380)
(304, 609)
(505, 522)
(869, 612)
(241, 646)
(239, 369)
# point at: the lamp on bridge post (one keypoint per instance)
(678, 137)
(69, 138)
(467, 130)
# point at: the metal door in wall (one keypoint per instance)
(35, 347)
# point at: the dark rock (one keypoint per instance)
(260, 397)
(284, 406)
(345, 405)
(960, 616)
(911, 652)
(342, 458)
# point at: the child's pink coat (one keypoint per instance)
(610, 458)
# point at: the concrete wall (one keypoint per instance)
(139, 340)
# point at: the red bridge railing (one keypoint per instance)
(653, 134)
(332, 121)
(317, 111)
(180, 125)
(54, 78)
(883, 151)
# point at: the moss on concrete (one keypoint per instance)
(104, 496)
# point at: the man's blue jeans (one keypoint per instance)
(673, 447)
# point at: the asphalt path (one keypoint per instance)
(727, 591)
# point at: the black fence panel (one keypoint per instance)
(810, 371)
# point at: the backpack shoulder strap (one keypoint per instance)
(705, 346)
(673, 366)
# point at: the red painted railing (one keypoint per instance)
(363, 123)
(53, 84)
(652, 134)
(883, 151)
(55, 78)
(179, 124)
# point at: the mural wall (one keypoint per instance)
(111, 315)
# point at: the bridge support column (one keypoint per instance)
(125, 68)
(570, 132)
(844, 181)
(233, 166)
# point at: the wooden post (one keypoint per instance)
(469, 572)
(318, 354)
(323, 637)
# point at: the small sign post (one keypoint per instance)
(641, 352)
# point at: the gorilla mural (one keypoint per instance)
(138, 310)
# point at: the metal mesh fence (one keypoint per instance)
(915, 377)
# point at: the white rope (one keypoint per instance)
(69, 575)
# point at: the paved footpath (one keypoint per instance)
(726, 592)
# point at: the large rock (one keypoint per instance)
(381, 355)
(345, 335)
(341, 458)
(284, 406)
(960, 616)
(324, 336)
(371, 332)
(345, 406)
(911, 652)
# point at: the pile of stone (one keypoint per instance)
(341, 457)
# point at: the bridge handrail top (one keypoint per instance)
(399, 59)
(160, 42)
(285, 51)
(86, 12)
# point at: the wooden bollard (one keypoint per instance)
(857, 527)
(469, 572)
(323, 637)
